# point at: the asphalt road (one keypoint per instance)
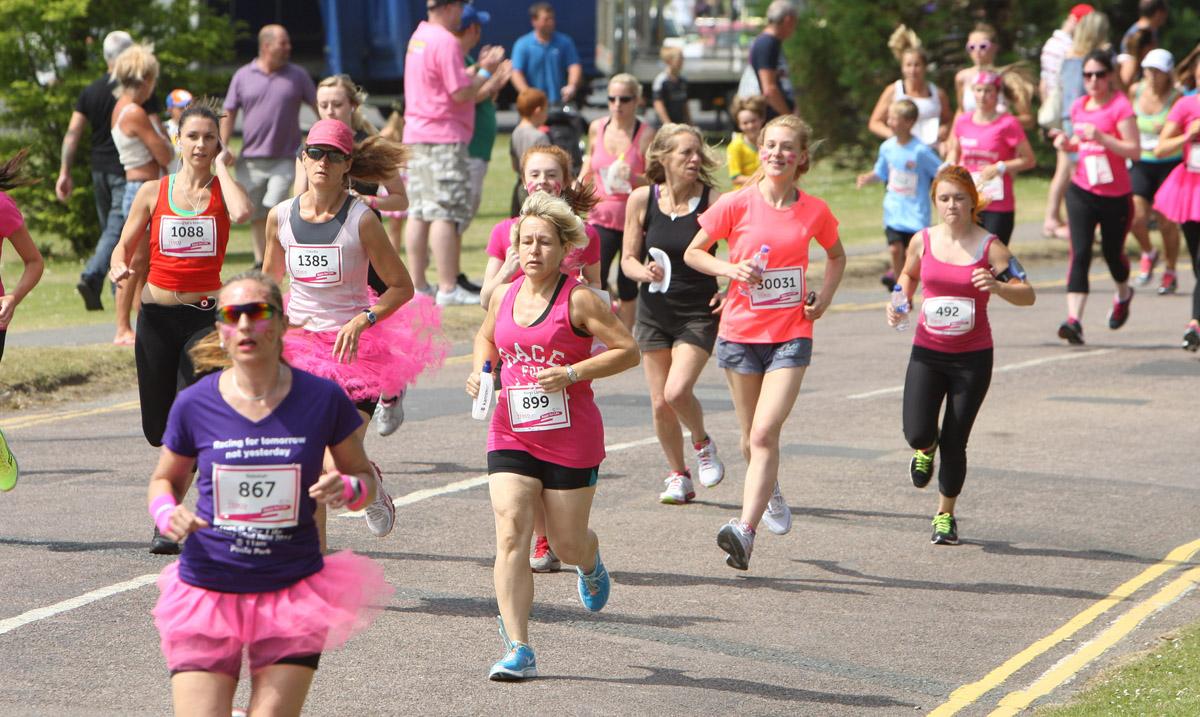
(1082, 485)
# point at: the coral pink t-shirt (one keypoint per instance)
(433, 71)
(572, 263)
(10, 221)
(775, 313)
(1099, 170)
(1185, 111)
(986, 144)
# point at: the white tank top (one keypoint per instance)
(132, 151)
(328, 281)
(929, 111)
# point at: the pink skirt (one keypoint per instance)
(391, 354)
(1178, 199)
(205, 630)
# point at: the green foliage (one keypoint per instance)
(51, 49)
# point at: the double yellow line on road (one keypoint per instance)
(1018, 700)
(40, 418)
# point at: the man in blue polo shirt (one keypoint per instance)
(546, 59)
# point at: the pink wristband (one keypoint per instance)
(353, 493)
(160, 511)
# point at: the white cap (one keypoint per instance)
(1159, 59)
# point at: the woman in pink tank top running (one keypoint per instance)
(961, 265)
(546, 439)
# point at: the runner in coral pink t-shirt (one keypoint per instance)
(12, 227)
(765, 338)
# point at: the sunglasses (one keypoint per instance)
(622, 99)
(1095, 75)
(980, 47)
(316, 154)
(256, 311)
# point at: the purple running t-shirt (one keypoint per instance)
(254, 476)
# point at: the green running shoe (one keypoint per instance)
(8, 466)
(945, 530)
(920, 468)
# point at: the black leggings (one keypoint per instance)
(1191, 234)
(164, 335)
(4, 332)
(933, 376)
(610, 248)
(998, 223)
(1084, 212)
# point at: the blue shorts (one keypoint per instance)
(763, 358)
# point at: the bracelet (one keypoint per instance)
(371, 201)
(1001, 167)
(482, 72)
(353, 493)
(160, 511)
(571, 375)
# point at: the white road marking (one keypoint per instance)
(42, 613)
(1003, 369)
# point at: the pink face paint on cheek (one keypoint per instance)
(227, 332)
(549, 186)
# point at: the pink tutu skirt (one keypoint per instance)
(1178, 199)
(391, 354)
(205, 630)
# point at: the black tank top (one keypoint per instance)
(673, 237)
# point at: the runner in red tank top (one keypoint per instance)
(546, 440)
(185, 219)
(961, 265)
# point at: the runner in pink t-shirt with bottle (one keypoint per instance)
(765, 339)
(961, 266)
(993, 147)
(1105, 135)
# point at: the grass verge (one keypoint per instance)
(1159, 682)
(33, 376)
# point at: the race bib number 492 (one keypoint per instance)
(949, 315)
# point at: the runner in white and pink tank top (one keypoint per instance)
(954, 313)
(562, 428)
(328, 281)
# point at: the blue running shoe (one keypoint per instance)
(593, 588)
(518, 664)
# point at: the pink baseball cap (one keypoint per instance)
(331, 133)
(986, 77)
(1078, 11)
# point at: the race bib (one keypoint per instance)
(1097, 169)
(1149, 140)
(256, 496)
(781, 288)
(902, 182)
(315, 264)
(531, 409)
(1193, 158)
(992, 188)
(187, 236)
(949, 315)
(617, 178)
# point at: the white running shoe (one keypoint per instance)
(457, 297)
(738, 542)
(710, 469)
(381, 513)
(429, 290)
(778, 516)
(679, 489)
(389, 416)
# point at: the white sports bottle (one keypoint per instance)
(900, 304)
(760, 264)
(483, 399)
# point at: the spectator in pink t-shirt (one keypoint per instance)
(439, 118)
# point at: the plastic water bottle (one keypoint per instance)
(900, 304)
(483, 399)
(760, 264)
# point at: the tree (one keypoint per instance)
(50, 50)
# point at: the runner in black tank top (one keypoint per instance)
(676, 326)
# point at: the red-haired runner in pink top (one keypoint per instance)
(765, 338)
(961, 265)
(546, 439)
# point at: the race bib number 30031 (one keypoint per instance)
(781, 288)
(256, 496)
(187, 236)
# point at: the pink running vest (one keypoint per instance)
(953, 316)
(563, 428)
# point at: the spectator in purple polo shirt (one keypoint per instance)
(439, 118)
(270, 90)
